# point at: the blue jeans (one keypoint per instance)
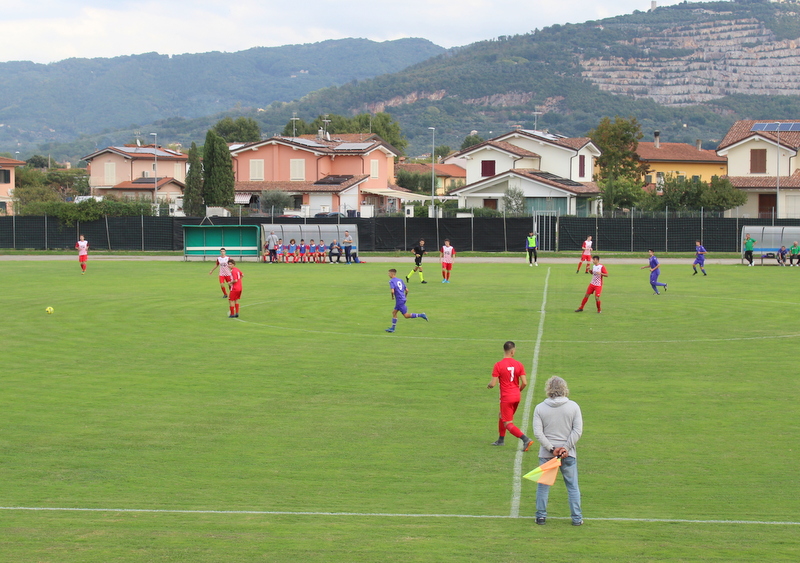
(569, 471)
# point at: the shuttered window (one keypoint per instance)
(758, 161)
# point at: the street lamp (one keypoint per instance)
(155, 167)
(433, 169)
(778, 176)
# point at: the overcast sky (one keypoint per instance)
(52, 30)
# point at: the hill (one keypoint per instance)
(63, 100)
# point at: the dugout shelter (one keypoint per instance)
(239, 241)
(769, 240)
(297, 231)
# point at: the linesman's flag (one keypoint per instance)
(545, 473)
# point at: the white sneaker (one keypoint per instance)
(529, 264)
(536, 263)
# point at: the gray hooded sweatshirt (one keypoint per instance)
(557, 423)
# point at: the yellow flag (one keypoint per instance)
(545, 473)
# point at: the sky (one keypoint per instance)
(45, 31)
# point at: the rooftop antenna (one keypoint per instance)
(325, 120)
(294, 123)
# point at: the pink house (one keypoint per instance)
(346, 173)
(8, 167)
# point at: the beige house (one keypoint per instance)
(130, 171)
(8, 167)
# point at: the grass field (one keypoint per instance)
(303, 432)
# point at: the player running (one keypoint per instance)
(699, 258)
(83, 253)
(224, 272)
(399, 293)
(511, 375)
(586, 256)
(419, 251)
(655, 271)
(447, 255)
(236, 289)
(596, 285)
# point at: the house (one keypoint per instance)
(769, 176)
(680, 160)
(448, 176)
(554, 172)
(8, 167)
(345, 173)
(130, 172)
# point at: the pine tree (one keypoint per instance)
(218, 187)
(193, 194)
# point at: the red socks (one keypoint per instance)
(598, 305)
(585, 299)
(501, 429)
(514, 430)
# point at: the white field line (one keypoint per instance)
(516, 487)
(390, 515)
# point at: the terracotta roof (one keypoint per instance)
(11, 162)
(680, 152)
(542, 177)
(352, 143)
(765, 182)
(141, 153)
(740, 131)
(301, 187)
(448, 170)
(576, 143)
(147, 184)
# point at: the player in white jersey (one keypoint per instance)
(586, 255)
(224, 272)
(596, 285)
(447, 255)
(83, 253)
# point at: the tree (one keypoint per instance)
(38, 161)
(218, 181)
(679, 194)
(514, 201)
(381, 124)
(274, 202)
(618, 141)
(441, 151)
(471, 141)
(242, 130)
(26, 198)
(419, 183)
(619, 193)
(71, 182)
(193, 194)
(721, 195)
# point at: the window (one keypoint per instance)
(178, 169)
(758, 161)
(374, 168)
(109, 174)
(582, 166)
(648, 179)
(5, 176)
(487, 168)
(297, 170)
(695, 178)
(256, 170)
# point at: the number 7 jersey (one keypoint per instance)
(508, 371)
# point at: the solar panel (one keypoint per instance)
(333, 180)
(306, 142)
(352, 146)
(776, 126)
(558, 179)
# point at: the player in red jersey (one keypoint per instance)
(447, 255)
(596, 285)
(236, 289)
(224, 272)
(511, 375)
(586, 255)
(83, 253)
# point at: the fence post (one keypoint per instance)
(558, 228)
(45, 231)
(108, 236)
(436, 215)
(405, 230)
(472, 229)
(666, 229)
(633, 211)
(14, 231)
(702, 228)
(505, 235)
(142, 217)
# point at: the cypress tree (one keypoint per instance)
(217, 171)
(193, 194)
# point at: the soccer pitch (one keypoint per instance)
(139, 423)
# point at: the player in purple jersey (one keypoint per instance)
(399, 293)
(699, 258)
(655, 270)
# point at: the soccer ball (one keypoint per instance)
(49, 310)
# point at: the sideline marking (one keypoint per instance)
(392, 515)
(516, 492)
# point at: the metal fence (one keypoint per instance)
(633, 233)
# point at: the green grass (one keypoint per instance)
(139, 393)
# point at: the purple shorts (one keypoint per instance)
(401, 307)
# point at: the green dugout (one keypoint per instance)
(239, 241)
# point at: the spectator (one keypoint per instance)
(794, 252)
(272, 246)
(335, 251)
(347, 244)
(780, 256)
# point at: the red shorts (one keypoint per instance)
(596, 289)
(447, 266)
(234, 295)
(586, 257)
(225, 279)
(507, 411)
(83, 258)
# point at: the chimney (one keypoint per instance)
(699, 144)
(657, 139)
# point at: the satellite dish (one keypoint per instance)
(138, 143)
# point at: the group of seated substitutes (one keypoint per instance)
(311, 252)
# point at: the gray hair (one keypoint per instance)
(556, 387)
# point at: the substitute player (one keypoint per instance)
(699, 258)
(419, 251)
(224, 272)
(586, 255)
(83, 253)
(399, 294)
(596, 285)
(655, 271)
(511, 375)
(236, 289)
(447, 255)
